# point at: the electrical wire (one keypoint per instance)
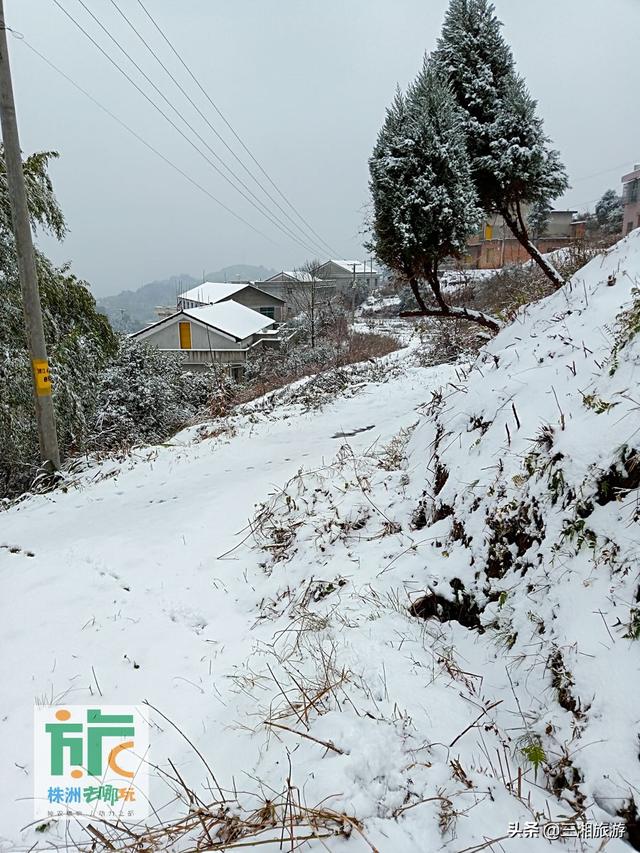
(306, 234)
(264, 213)
(143, 141)
(604, 172)
(263, 209)
(232, 130)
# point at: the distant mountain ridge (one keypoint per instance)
(130, 310)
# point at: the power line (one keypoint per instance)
(604, 172)
(264, 213)
(263, 210)
(306, 235)
(231, 128)
(140, 139)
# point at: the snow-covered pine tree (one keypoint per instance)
(512, 163)
(424, 201)
(610, 212)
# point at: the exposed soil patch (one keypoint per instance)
(620, 478)
(462, 607)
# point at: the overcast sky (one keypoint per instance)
(305, 83)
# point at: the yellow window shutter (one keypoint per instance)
(185, 335)
(488, 232)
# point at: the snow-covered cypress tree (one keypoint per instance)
(424, 200)
(610, 212)
(512, 163)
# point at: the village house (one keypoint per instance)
(294, 287)
(221, 333)
(494, 246)
(346, 272)
(333, 277)
(631, 200)
(244, 293)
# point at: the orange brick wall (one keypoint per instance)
(490, 254)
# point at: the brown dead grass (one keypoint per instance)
(362, 346)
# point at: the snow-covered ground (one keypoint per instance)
(503, 506)
(403, 330)
(122, 577)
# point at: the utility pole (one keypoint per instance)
(45, 415)
(353, 291)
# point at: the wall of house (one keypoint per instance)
(559, 225)
(333, 272)
(631, 198)
(167, 336)
(252, 298)
(297, 294)
(275, 288)
(493, 254)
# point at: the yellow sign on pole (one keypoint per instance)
(41, 376)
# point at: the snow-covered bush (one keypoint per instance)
(145, 396)
(610, 212)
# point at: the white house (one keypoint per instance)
(346, 271)
(222, 333)
(294, 287)
(244, 293)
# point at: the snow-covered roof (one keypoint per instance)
(211, 292)
(361, 267)
(231, 318)
(297, 275)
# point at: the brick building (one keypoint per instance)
(631, 200)
(495, 246)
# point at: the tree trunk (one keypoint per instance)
(416, 292)
(454, 313)
(444, 311)
(519, 231)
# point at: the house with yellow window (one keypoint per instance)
(223, 333)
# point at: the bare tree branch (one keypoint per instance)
(455, 313)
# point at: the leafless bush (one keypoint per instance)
(366, 345)
(283, 821)
(277, 372)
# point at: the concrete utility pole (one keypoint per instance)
(45, 415)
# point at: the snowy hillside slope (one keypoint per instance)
(511, 526)
(424, 641)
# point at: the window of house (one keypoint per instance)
(268, 311)
(185, 335)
